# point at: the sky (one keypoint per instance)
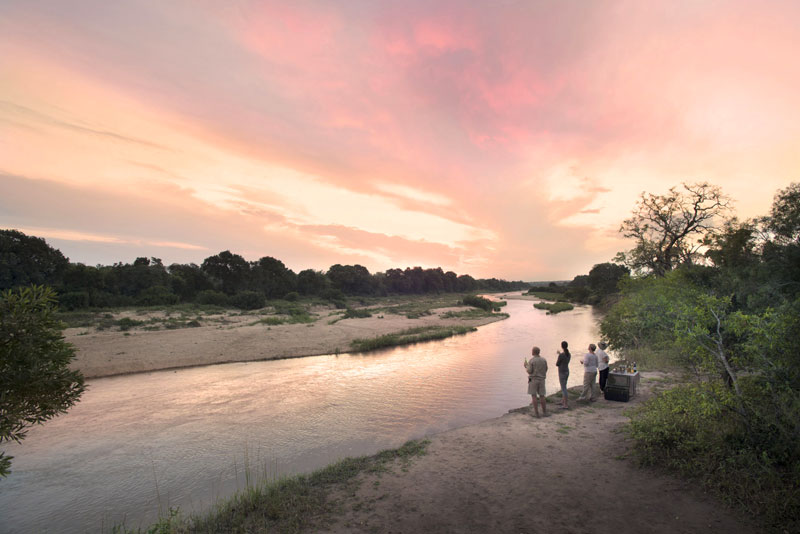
(496, 138)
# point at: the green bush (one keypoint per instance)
(73, 300)
(126, 323)
(247, 300)
(554, 307)
(356, 314)
(156, 296)
(104, 299)
(215, 298)
(478, 302)
(292, 296)
(751, 462)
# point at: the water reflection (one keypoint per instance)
(140, 442)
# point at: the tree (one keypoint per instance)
(604, 278)
(26, 260)
(311, 282)
(668, 229)
(784, 218)
(36, 383)
(272, 278)
(188, 280)
(230, 271)
(351, 279)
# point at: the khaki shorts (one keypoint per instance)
(538, 387)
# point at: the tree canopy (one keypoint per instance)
(669, 229)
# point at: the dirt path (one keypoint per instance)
(566, 473)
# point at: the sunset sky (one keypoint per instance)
(492, 138)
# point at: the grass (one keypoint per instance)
(407, 337)
(289, 504)
(553, 307)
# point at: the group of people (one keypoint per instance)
(595, 361)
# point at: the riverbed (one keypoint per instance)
(137, 445)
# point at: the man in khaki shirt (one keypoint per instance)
(537, 371)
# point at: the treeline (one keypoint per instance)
(718, 298)
(594, 288)
(222, 279)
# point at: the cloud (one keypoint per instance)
(510, 138)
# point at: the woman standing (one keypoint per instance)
(563, 372)
(589, 362)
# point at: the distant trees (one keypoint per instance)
(36, 383)
(222, 279)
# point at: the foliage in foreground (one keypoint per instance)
(407, 337)
(291, 504)
(35, 381)
(753, 466)
(732, 327)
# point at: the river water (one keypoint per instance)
(136, 445)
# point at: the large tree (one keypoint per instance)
(784, 218)
(669, 229)
(26, 260)
(231, 272)
(36, 383)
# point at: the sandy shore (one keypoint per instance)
(233, 337)
(569, 472)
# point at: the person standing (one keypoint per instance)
(589, 362)
(602, 365)
(537, 371)
(563, 372)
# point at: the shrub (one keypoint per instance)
(478, 302)
(73, 300)
(292, 296)
(356, 314)
(332, 294)
(553, 307)
(104, 299)
(247, 300)
(156, 296)
(126, 323)
(215, 298)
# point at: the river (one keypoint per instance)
(136, 445)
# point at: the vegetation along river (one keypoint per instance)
(141, 443)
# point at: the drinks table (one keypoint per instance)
(621, 385)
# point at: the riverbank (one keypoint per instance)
(568, 472)
(133, 345)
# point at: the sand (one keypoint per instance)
(231, 337)
(567, 473)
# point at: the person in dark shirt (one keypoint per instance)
(563, 372)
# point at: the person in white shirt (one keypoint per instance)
(589, 362)
(602, 364)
